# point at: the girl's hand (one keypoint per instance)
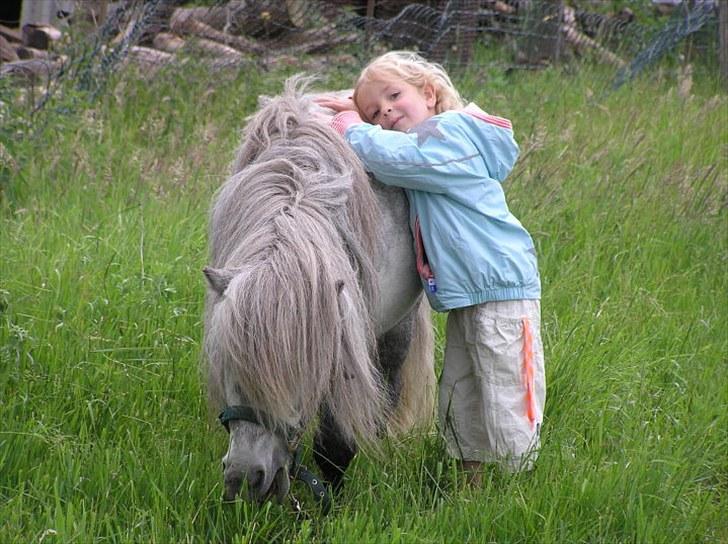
(336, 104)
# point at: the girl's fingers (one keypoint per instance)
(337, 104)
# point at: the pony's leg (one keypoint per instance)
(330, 451)
(392, 349)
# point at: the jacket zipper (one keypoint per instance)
(423, 266)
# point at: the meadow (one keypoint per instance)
(105, 435)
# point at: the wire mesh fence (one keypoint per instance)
(627, 38)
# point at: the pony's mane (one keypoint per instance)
(296, 223)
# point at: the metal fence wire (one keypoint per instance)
(627, 37)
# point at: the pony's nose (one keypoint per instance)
(254, 477)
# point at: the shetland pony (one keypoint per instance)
(314, 313)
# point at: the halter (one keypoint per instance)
(291, 435)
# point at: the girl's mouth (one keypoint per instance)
(394, 124)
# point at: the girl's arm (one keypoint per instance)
(437, 156)
(442, 155)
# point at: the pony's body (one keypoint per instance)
(314, 308)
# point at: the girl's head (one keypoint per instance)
(401, 89)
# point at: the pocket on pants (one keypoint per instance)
(499, 345)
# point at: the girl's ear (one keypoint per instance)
(430, 95)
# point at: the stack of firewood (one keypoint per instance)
(26, 52)
(263, 32)
(279, 32)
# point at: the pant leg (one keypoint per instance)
(459, 402)
(488, 410)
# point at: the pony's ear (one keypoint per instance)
(264, 100)
(218, 278)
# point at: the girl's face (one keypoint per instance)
(395, 105)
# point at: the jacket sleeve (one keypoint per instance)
(397, 158)
(443, 156)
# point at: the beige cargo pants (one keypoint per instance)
(493, 386)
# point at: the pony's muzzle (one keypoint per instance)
(257, 483)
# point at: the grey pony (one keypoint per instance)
(314, 313)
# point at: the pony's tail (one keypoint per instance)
(416, 407)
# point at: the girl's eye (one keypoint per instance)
(395, 95)
(375, 114)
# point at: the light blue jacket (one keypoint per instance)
(470, 247)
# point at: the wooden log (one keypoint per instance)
(40, 36)
(218, 17)
(7, 51)
(31, 53)
(215, 49)
(30, 69)
(11, 34)
(184, 22)
(327, 32)
(149, 55)
(305, 14)
(256, 18)
(124, 34)
(93, 12)
(149, 59)
(165, 41)
(500, 7)
(223, 56)
(583, 43)
(298, 11)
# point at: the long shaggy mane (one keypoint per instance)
(296, 225)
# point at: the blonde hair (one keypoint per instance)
(415, 70)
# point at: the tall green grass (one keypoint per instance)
(104, 431)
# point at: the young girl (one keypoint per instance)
(408, 125)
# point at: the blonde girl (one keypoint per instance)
(410, 127)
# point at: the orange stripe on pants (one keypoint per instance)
(528, 377)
